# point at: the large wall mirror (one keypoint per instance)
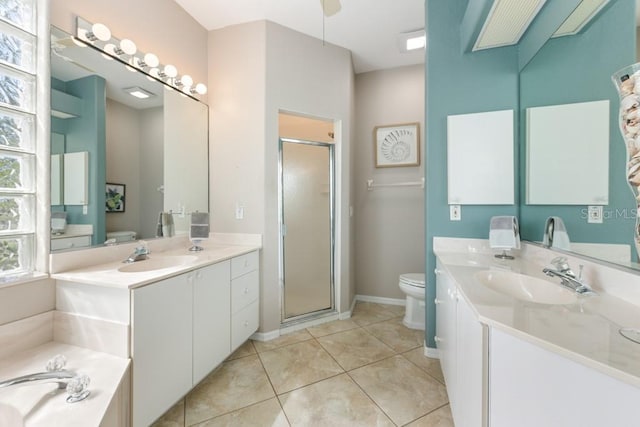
(577, 69)
(146, 145)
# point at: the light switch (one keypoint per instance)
(239, 212)
(594, 215)
(455, 213)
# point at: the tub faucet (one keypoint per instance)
(139, 254)
(76, 385)
(567, 276)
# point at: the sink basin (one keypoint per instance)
(526, 288)
(157, 263)
(10, 416)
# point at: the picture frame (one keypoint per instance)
(115, 197)
(397, 145)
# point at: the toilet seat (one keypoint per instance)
(413, 279)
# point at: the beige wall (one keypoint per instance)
(389, 230)
(158, 26)
(285, 71)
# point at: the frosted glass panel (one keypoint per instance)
(17, 48)
(16, 214)
(20, 13)
(17, 130)
(480, 158)
(568, 154)
(16, 254)
(17, 90)
(307, 218)
(16, 172)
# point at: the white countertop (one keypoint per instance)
(586, 331)
(45, 404)
(108, 275)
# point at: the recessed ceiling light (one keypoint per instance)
(412, 41)
(580, 17)
(506, 23)
(138, 92)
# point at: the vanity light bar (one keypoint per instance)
(99, 36)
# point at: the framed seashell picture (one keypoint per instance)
(397, 145)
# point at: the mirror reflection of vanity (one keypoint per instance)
(578, 69)
(137, 134)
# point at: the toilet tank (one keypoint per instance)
(121, 236)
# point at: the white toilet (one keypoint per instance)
(412, 284)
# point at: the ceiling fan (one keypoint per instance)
(330, 7)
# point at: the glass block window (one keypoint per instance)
(17, 137)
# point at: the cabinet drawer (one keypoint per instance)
(243, 324)
(244, 290)
(243, 264)
(70, 242)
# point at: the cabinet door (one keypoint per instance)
(161, 347)
(446, 328)
(211, 318)
(470, 339)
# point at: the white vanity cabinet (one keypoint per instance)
(531, 387)
(245, 283)
(161, 346)
(460, 339)
(58, 243)
(211, 318)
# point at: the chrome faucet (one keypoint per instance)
(76, 385)
(567, 276)
(139, 254)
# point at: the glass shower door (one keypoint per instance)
(306, 227)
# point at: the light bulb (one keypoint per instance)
(170, 70)
(101, 32)
(110, 48)
(155, 73)
(151, 60)
(201, 88)
(128, 46)
(186, 80)
(187, 90)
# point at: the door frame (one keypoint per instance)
(281, 230)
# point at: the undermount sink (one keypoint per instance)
(157, 263)
(526, 288)
(10, 416)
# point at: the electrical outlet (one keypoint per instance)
(455, 213)
(594, 215)
(85, 209)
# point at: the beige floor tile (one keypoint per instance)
(336, 401)
(431, 366)
(398, 310)
(332, 327)
(355, 348)
(439, 418)
(403, 391)
(174, 417)
(236, 384)
(281, 341)
(298, 365)
(397, 336)
(365, 313)
(245, 349)
(263, 414)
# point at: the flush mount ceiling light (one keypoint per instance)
(138, 92)
(414, 40)
(99, 37)
(506, 23)
(580, 17)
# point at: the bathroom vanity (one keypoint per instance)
(505, 356)
(178, 315)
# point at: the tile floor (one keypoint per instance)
(369, 370)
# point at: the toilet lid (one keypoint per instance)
(413, 279)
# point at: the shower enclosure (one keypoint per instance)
(307, 228)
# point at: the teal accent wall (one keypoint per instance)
(578, 69)
(87, 133)
(458, 83)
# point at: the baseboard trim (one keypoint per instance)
(432, 353)
(265, 336)
(381, 300)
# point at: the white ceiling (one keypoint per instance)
(368, 28)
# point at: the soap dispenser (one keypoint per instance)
(504, 234)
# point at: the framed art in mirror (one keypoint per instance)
(397, 145)
(115, 198)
